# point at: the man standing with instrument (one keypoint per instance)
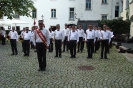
(41, 44)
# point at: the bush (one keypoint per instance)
(118, 25)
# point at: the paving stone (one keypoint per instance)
(18, 71)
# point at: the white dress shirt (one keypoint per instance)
(27, 35)
(66, 32)
(111, 34)
(51, 34)
(73, 36)
(3, 33)
(13, 35)
(45, 32)
(80, 32)
(105, 35)
(96, 33)
(59, 35)
(90, 34)
(22, 33)
(32, 35)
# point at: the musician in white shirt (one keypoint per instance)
(73, 40)
(112, 35)
(32, 37)
(106, 38)
(96, 37)
(81, 36)
(51, 36)
(27, 40)
(90, 39)
(65, 43)
(41, 45)
(13, 41)
(59, 38)
(21, 38)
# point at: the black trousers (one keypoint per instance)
(80, 44)
(51, 45)
(3, 40)
(32, 45)
(65, 44)
(104, 48)
(41, 55)
(90, 47)
(72, 48)
(26, 47)
(58, 47)
(96, 45)
(22, 45)
(13, 43)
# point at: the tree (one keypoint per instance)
(10, 8)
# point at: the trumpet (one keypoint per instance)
(21, 39)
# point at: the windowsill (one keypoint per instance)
(53, 18)
(88, 9)
(34, 18)
(104, 3)
(71, 20)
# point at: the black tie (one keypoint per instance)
(90, 30)
(73, 31)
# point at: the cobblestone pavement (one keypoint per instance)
(21, 72)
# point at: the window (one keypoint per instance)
(104, 1)
(104, 17)
(127, 4)
(116, 11)
(88, 4)
(34, 13)
(71, 14)
(53, 13)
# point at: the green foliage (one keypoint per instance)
(7, 32)
(10, 7)
(118, 25)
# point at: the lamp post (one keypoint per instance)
(76, 17)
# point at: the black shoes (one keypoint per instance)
(56, 56)
(41, 69)
(73, 56)
(12, 54)
(26, 54)
(104, 58)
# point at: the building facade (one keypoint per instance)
(70, 11)
(127, 13)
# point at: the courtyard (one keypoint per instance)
(18, 71)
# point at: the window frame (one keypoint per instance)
(34, 14)
(53, 13)
(88, 3)
(70, 14)
(104, 15)
(104, 2)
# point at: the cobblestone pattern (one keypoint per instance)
(21, 72)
